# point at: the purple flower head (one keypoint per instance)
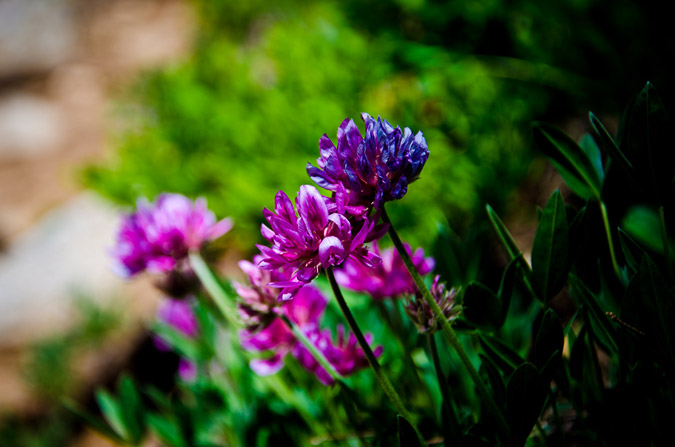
(258, 300)
(388, 279)
(420, 312)
(305, 311)
(313, 239)
(345, 354)
(373, 169)
(159, 236)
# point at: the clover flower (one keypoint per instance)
(344, 354)
(179, 315)
(305, 310)
(313, 239)
(259, 299)
(373, 169)
(159, 236)
(388, 279)
(420, 312)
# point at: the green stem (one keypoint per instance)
(445, 393)
(370, 356)
(608, 230)
(311, 347)
(213, 287)
(666, 245)
(447, 330)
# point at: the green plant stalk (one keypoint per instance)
(610, 242)
(666, 245)
(213, 287)
(448, 331)
(311, 347)
(443, 385)
(385, 383)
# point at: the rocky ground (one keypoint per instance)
(61, 64)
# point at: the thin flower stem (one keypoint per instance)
(311, 347)
(213, 287)
(666, 248)
(447, 330)
(370, 356)
(445, 391)
(610, 242)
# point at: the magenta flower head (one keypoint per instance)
(315, 238)
(373, 169)
(259, 300)
(420, 312)
(159, 236)
(179, 315)
(388, 279)
(345, 354)
(305, 311)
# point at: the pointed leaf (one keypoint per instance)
(611, 147)
(549, 339)
(92, 421)
(406, 434)
(526, 394)
(571, 161)
(166, 430)
(602, 327)
(482, 307)
(503, 356)
(112, 413)
(590, 147)
(132, 411)
(631, 250)
(503, 233)
(549, 252)
(643, 224)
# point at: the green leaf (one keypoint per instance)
(132, 410)
(600, 323)
(503, 233)
(502, 355)
(549, 252)
(611, 147)
(572, 162)
(590, 147)
(549, 339)
(406, 434)
(112, 413)
(526, 394)
(167, 430)
(631, 250)
(92, 421)
(482, 307)
(495, 379)
(185, 346)
(507, 284)
(643, 224)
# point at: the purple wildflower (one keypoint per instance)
(388, 279)
(345, 354)
(420, 312)
(305, 311)
(315, 238)
(157, 237)
(259, 299)
(372, 170)
(179, 315)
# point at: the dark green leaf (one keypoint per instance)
(495, 379)
(526, 394)
(643, 224)
(112, 413)
(92, 421)
(549, 252)
(507, 284)
(482, 307)
(611, 147)
(503, 233)
(570, 160)
(549, 339)
(503, 356)
(602, 327)
(631, 250)
(406, 434)
(588, 145)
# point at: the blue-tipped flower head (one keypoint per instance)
(372, 170)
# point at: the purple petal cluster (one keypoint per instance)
(373, 169)
(258, 299)
(179, 315)
(305, 310)
(319, 236)
(420, 312)
(159, 236)
(388, 279)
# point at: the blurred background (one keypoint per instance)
(106, 101)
